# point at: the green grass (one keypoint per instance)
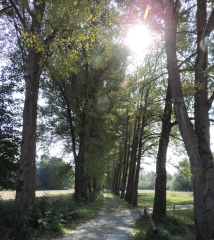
(147, 199)
(170, 228)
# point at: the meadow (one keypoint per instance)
(146, 198)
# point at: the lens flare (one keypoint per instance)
(204, 43)
(146, 12)
(125, 83)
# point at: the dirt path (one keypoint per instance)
(113, 222)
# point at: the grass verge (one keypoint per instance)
(170, 228)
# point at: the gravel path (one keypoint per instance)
(113, 222)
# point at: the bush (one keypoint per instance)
(19, 222)
(93, 196)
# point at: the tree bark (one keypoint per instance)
(201, 159)
(25, 192)
(132, 169)
(82, 143)
(126, 160)
(159, 210)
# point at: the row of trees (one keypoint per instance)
(107, 117)
(59, 48)
(185, 60)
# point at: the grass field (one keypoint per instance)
(146, 198)
(10, 195)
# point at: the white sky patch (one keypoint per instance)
(138, 40)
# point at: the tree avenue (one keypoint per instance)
(109, 115)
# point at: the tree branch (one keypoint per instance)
(210, 25)
(187, 59)
(13, 5)
(4, 10)
(210, 100)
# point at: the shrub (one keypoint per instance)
(19, 222)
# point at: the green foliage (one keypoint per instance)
(184, 167)
(182, 183)
(182, 180)
(147, 180)
(93, 196)
(9, 150)
(9, 133)
(54, 173)
(63, 174)
(15, 222)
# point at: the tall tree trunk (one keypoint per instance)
(118, 176)
(126, 160)
(132, 169)
(204, 213)
(136, 180)
(77, 187)
(83, 138)
(140, 145)
(25, 191)
(201, 160)
(159, 209)
(94, 185)
(142, 122)
(133, 190)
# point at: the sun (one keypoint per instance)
(138, 39)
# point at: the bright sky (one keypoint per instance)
(138, 40)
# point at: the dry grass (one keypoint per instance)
(10, 195)
(140, 191)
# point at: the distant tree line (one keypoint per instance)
(53, 173)
(175, 182)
